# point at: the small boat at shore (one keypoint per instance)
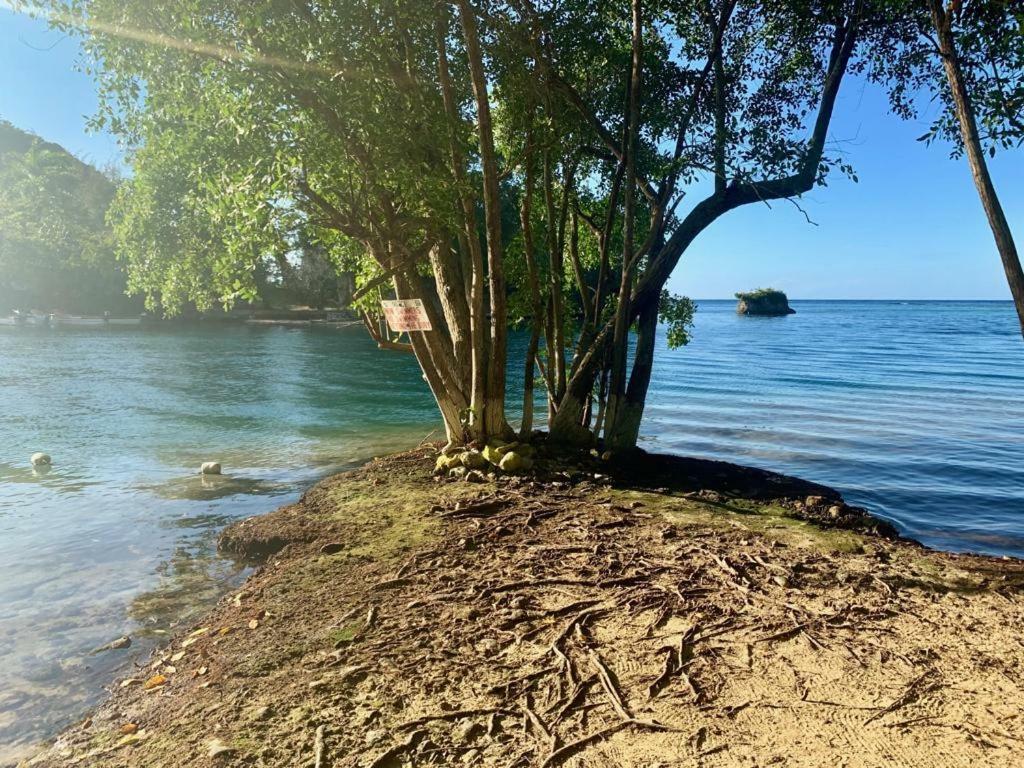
(84, 321)
(38, 319)
(72, 321)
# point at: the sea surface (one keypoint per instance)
(912, 409)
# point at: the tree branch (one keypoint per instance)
(738, 193)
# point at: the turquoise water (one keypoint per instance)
(915, 410)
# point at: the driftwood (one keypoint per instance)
(318, 748)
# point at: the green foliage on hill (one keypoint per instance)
(56, 250)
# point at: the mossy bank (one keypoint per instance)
(666, 613)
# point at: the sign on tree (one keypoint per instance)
(406, 315)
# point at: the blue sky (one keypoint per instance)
(912, 228)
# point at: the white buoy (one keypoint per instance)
(41, 460)
(210, 468)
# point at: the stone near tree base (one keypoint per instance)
(41, 460)
(472, 460)
(446, 462)
(514, 461)
(210, 468)
(473, 464)
(764, 302)
(492, 452)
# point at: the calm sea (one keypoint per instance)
(915, 410)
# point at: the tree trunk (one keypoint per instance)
(626, 429)
(450, 407)
(473, 277)
(431, 356)
(577, 267)
(437, 341)
(533, 279)
(623, 314)
(526, 425)
(602, 401)
(976, 158)
(567, 426)
(556, 343)
(494, 407)
(449, 283)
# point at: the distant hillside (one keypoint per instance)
(13, 139)
(56, 251)
(16, 142)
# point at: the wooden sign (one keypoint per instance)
(406, 315)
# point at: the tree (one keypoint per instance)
(367, 122)
(399, 132)
(673, 97)
(999, 35)
(967, 58)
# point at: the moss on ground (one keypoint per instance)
(386, 520)
(345, 634)
(770, 519)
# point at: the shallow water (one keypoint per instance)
(118, 537)
(915, 410)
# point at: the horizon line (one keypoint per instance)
(895, 298)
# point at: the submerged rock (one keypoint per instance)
(764, 302)
(115, 645)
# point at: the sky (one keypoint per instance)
(912, 228)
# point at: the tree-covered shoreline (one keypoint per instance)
(60, 254)
(56, 250)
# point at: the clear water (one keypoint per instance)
(118, 537)
(915, 410)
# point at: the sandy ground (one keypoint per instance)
(679, 614)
